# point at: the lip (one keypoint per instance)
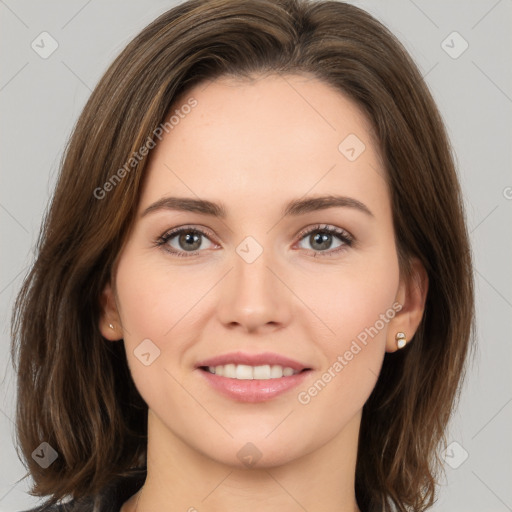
(254, 360)
(253, 390)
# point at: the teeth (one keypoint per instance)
(276, 372)
(287, 372)
(261, 372)
(246, 372)
(243, 371)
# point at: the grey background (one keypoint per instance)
(40, 100)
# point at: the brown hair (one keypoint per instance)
(74, 387)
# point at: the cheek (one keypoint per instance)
(351, 299)
(153, 300)
(156, 308)
(155, 305)
(357, 307)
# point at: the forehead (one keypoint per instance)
(262, 138)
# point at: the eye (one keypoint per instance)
(189, 241)
(320, 239)
(183, 240)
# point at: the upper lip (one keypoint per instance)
(261, 359)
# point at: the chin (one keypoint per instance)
(253, 450)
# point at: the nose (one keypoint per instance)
(254, 297)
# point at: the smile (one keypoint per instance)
(246, 372)
(252, 377)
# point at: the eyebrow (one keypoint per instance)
(293, 208)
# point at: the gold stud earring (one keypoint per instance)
(401, 340)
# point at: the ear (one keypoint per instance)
(412, 294)
(110, 325)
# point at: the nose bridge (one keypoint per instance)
(254, 282)
(254, 296)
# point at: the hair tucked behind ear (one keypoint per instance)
(75, 391)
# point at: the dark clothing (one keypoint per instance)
(110, 499)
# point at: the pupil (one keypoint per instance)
(323, 239)
(189, 239)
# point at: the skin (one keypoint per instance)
(254, 146)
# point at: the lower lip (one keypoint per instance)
(253, 390)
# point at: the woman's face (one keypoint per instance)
(264, 283)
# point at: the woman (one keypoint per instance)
(253, 287)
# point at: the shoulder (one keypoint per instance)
(54, 508)
(110, 499)
(71, 506)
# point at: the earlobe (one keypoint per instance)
(110, 326)
(412, 295)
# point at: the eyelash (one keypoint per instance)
(343, 235)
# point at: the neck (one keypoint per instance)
(181, 478)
